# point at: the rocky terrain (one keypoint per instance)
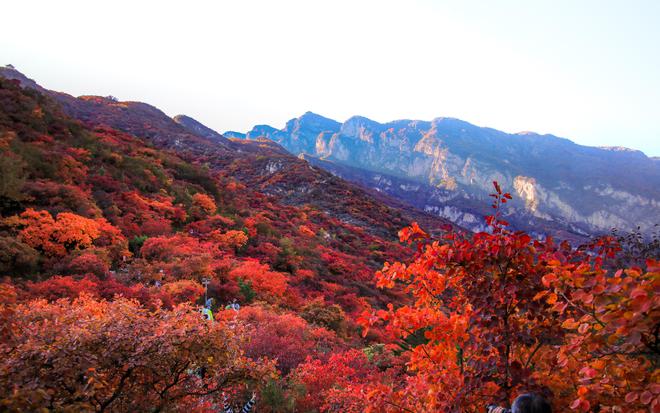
(446, 167)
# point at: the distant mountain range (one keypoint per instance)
(446, 167)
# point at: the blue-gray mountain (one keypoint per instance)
(446, 166)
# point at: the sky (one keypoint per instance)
(587, 70)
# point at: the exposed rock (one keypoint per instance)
(584, 190)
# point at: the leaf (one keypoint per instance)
(638, 292)
(540, 295)
(588, 372)
(548, 279)
(646, 397)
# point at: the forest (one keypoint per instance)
(112, 240)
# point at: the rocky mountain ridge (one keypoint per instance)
(560, 186)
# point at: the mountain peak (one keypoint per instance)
(310, 114)
(259, 131)
(357, 119)
(10, 72)
(311, 120)
(447, 122)
(354, 124)
(197, 127)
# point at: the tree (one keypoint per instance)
(268, 285)
(335, 385)
(11, 170)
(286, 337)
(118, 356)
(17, 258)
(60, 287)
(470, 322)
(111, 240)
(55, 237)
(230, 240)
(202, 206)
(88, 263)
(497, 313)
(184, 291)
(612, 346)
(330, 316)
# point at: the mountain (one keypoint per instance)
(117, 222)
(128, 167)
(446, 166)
(198, 128)
(272, 178)
(264, 166)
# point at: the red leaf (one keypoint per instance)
(548, 279)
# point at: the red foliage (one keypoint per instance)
(62, 287)
(286, 338)
(267, 284)
(88, 263)
(336, 384)
(141, 215)
(496, 314)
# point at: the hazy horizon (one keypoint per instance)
(583, 71)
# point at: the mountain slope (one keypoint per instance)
(189, 217)
(560, 186)
(203, 146)
(198, 128)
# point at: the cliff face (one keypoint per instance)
(446, 166)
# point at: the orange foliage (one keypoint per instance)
(230, 240)
(68, 232)
(184, 290)
(202, 206)
(118, 356)
(496, 314)
(305, 231)
(611, 323)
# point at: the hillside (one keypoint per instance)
(152, 264)
(446, 166)
(203, 146)
(124, 177)
(89, 208)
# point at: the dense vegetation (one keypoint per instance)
(106, 238)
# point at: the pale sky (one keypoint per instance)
(585, 70)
